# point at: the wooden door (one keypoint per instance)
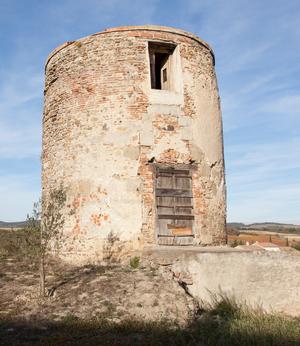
(174, 203)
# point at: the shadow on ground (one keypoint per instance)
(209, 328)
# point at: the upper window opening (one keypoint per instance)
(160, 56)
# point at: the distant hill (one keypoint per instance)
(261, 225)
(272, 225)
(19, 224)
(236, 227)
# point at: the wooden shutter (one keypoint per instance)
(174, 203)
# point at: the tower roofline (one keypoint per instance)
(156, 28)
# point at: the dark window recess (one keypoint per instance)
(165, 78)
(160, 65)
(174, 204)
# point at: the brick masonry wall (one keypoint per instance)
(103, 127)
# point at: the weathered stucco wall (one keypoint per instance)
(104, 128)
(270, 280)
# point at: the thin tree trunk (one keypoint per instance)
(42, 263)
(42, 276)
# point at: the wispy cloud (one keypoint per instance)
(288, 105)
(269, 204)
(20, 114)
(264, 181)
(18, 194)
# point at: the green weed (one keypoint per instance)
(134, 262)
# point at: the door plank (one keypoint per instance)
(173, 192)
(176, 217)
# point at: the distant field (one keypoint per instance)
(11, 228)
(19, 224)
(285, 234)
(277, 233)
(250, 237)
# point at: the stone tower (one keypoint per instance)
(132, 133)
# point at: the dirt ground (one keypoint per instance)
(115, 292)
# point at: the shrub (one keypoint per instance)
(134, 262)
(237, 242)
(296, 246)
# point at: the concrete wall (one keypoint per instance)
(102, 125)
(260, 278)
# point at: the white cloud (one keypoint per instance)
(275, 151)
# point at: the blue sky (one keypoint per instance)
(257, 47)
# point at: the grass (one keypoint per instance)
(224, 323)
(238, 324)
